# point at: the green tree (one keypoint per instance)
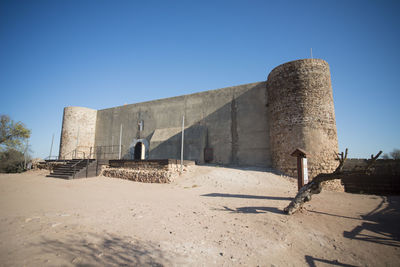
(13, 145)
(12, 134)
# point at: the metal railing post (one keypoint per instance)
(87, 167)
(120, 142)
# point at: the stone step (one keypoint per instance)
(64, 172)
(59, 176)
(72, 169)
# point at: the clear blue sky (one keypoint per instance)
(101, 54)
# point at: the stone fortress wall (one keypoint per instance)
(302, 114)
(78, 132)
(256, 124)
(231, 122)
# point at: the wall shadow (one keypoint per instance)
(381, 225)
(89, 249)
(194, 144)
(312, 260)
(246, 196)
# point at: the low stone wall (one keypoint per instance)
(383, 166)
(40, 165)
(145, 171)
(144, 176)
(383, 180)
(47, 165)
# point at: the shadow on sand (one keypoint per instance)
(246, 196)
(254, 210)
(382, 224)
(311, 262)
(378, 226)
(88, 249)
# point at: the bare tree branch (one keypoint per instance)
(315, 186)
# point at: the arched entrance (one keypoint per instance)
(139, 149)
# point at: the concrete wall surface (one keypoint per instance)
(232, 121)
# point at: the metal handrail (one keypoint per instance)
(75, 166)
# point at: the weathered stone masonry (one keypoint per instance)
(78, 132)
(256, 124)
(301, 114)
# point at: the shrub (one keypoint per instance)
(12, 161)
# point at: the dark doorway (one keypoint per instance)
(138, 150)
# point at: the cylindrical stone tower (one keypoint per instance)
(78, 132)
(302, 115)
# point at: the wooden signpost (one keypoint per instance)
(302, 171)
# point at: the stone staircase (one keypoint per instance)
(74, 168)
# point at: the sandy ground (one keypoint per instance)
(211, 216)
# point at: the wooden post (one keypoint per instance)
(302, 173)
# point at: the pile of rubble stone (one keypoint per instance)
(141, 175)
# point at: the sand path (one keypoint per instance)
(210, 216)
